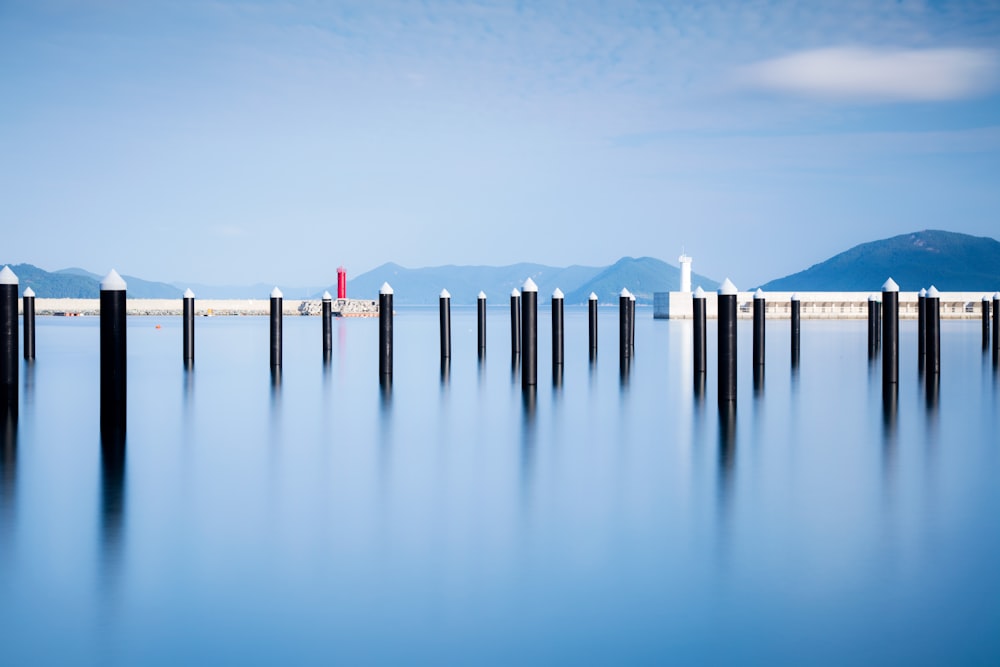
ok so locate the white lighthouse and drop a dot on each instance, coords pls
(685, 262)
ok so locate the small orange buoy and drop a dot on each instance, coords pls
(157, 326)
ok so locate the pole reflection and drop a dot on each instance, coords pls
(112, 508)
(8, 476)
(529, 435)
(890, 406)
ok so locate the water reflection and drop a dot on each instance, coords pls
(29, 382)
(758, 381)
(445, 372)
(529, 435)
(557, 376)
(112, 507)
(515, 364)
(699, 387)
(890, 406)
(8, 475)
(726, 471)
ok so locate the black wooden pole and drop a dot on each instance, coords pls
(624, 309)
(631, 325)
(872, 326)
(276, 300)
(921, 329)
(187, 325)
(727, 342)
(9, 369)
(592, 324)
(796, 329)
(385, 334)
(558, 300)
(890, 333)
(529, 334)
(113, 369)
(878, 323)
(28, 303)
(515, 322)
(327, 316)
(986, 322)
(932, 331)
(996, 327)
(698, 303)
(759, 305)
(444, 313)
(481, 323)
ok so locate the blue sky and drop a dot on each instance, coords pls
(241, 142)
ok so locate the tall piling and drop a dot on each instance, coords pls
(114, 380)
(759, 305)
(890, 334)
(796, 329)
(872, 326)
(996, 328)
(558, 301)
(444, 316)
(276, 300)
(921, 328)
(9, 369)
(698, 311)
(385, 334)
(529, 334)
(515, 322)
(932, 331)
(481, 324)
(631, 325)
(624, 332)
(187, 327)
(878, 322)
(592, 325)
(327, 316)
(28, 303)
(986, 322)
(727, 342)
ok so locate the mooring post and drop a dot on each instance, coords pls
(529, 334)
(187, 325)
(921, 328)
(481, 323)
(515, 322)
(796, 329)
(996, 328)
(624, 309)
(932, 330)
(9, 370)
(986, 322)
(700, 335)
(878, 322)
(872, 326)
(631, 325)
(28, 302)
(592, 324)
(385, 334)
(444, 313)
(558, 300)
(890, 333)
(276, 299)
(113, 370)
(759, 305)
(327, 315)
(727, 342)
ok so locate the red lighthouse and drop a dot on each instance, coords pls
(341, 283)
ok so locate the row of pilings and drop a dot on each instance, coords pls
(883, 337)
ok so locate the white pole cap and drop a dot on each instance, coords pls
(276, 293)
(327, 296)
(795, 296)
(529, 286)
(113, 282)
(28, 292)
(625, 293)
(996, 296)
(699, 293)
(188, 294)
(871, 297)
(7, 276)
(514, 292)
(759, 294)
(445, 294)
(593, 297)
(933, 293)
(923, 292)
(890, 286)
(482, 295)
(631, 297)
(727, 288)
(386, 289)
(557, 294)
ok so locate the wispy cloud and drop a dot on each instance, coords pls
(878, 75)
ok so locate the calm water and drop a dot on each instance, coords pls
(451, 521)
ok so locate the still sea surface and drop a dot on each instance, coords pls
(320, 520)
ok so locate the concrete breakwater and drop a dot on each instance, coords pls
(207, 307)
(817, 305)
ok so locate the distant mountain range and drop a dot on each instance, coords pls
(642, 276)
(950, 261)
